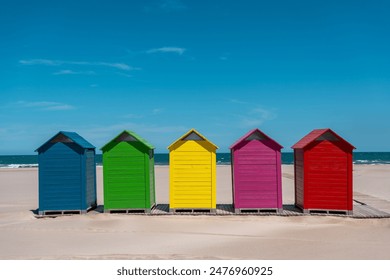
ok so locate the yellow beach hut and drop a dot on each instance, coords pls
(192, 174)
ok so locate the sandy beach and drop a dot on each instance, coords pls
(118, 236)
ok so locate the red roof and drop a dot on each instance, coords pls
(314, 135)
(243, 138)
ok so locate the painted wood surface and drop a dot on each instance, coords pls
(323, 172)
(67, 174)
(128, 173)
(256, 171)
(192, 166)
(299, 178)
(90, 177)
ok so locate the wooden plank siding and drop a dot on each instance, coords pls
(299, 178)
(128, 173)
(327, 177)
(90, 177)
(124, 181)
(192, 165)
(67, 174)
(60, 185)
(323, 172)
(256, 172)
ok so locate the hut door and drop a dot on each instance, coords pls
(125, 177)
(327, 177)
(192, 176)
(255, 175)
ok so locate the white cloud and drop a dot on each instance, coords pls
(48, 62)
(157, 111)
(59, 107)
(256, 117)
(165, 134)
(139, 127)
(172, 5)
(251, 122)
(163, 129)
(264, 113)
(120, 66)
(124, 75)
(236, 101)
(167, 6)
(71, 72)
(132, 116)
(175, 50)
(39, 62)
(45, 105)
(249, 114)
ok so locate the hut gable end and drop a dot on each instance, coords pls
(256, 135)
(127, 136)
(193, 135)
(66, 138)
(124, 137)
(61, 138)
(321, 135)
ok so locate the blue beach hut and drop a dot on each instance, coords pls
(67, 175)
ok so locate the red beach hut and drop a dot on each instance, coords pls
(256, 173)
(323, 173)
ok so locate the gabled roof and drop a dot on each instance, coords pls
(128, 136)
(254, 134)
(319, 134)
(192, 134)
(69, 137)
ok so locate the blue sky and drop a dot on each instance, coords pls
(162, 67)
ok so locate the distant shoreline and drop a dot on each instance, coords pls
(359, 158)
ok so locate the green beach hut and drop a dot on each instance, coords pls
(128, 174)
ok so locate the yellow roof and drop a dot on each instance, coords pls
(195, 135)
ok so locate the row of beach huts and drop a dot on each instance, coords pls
(67, 173)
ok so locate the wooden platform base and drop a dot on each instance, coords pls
(65, 212)
(192, 211)
(62, 212)
(130, 210)
(364, 207)
(360, 211)
(326, 212)
(257, 210)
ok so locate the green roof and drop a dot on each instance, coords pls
(128, 136)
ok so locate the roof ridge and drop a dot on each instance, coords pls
(315, 134)
(188, 133)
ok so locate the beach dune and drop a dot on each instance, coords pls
(119, 236)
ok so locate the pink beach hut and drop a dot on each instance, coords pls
(256, 173)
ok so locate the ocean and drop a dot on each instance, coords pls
(24, 161)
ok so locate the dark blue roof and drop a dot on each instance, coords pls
(73, 137)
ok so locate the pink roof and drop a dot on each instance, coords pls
(243, 138)
(314, 135)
